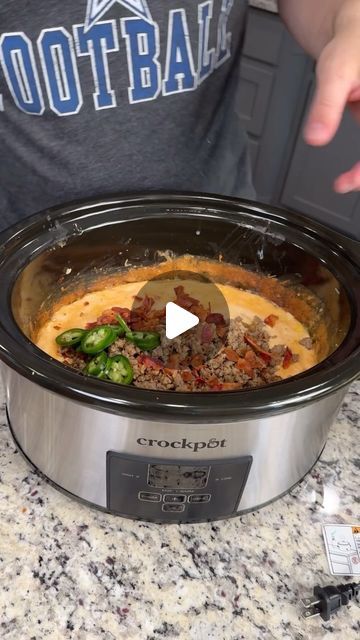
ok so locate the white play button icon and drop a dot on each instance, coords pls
(178, 320)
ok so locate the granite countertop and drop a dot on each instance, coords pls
(268, 5)
(71, 572)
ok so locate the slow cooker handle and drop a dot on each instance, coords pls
(349, 245)
(353, 247)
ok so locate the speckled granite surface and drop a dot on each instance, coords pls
(268, 5)
(71, 572)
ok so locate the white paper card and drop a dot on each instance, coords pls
(342, 542)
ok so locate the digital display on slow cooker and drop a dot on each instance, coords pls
(173, 476)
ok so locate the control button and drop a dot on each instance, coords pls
(174, 508)
(206, 497)
(171, 497)
(147, 496)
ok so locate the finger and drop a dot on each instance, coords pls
(349, 181)
(355, 94)
(335, 79)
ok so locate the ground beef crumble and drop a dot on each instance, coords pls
(211, 357)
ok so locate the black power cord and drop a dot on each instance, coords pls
(328, 600)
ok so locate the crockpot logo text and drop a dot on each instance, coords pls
(184, 443)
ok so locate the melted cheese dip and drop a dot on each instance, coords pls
(287, 330)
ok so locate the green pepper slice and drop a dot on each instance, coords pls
(97, 365)
(124, 327)
(145, 340)
(102, 376)
(70, 338)
(98, 339)
(119, 370)
(118, 330)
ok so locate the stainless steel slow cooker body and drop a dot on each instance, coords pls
(166, 456)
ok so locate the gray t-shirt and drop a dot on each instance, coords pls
(105, 96)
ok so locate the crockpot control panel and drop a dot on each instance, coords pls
(171, 491)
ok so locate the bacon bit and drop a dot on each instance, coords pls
(197, 361)
(230, 386)
(254, 361)
(221, 331)
(199, 380)
(265, 355)
(207, 333)
(216, 318)
(244, 365)
(146, 305)
(215, 384)
(173, 361)
(152, 363)
(251, 357)
(183, 299)
(231, 355)
(288, 358)
(271, 320)
(140, 325)
(187, 376)
(102, 320)
(199, 311)
(142, 319)
(109, 317)
(124, 312)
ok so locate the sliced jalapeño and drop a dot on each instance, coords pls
(98, 339)
(70, 338)
(124, 327)
(119, 370)
(145, 340)
(96, 367)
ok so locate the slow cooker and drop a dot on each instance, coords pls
(168, 456)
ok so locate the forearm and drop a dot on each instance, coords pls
(314, 22)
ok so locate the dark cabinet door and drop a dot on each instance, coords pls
(308, 187)
(270, 98)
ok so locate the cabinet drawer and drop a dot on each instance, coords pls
(309, 184)
(263, 36)
(254, 95)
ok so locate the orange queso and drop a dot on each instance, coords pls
(241, 303)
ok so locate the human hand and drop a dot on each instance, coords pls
(338, 87)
